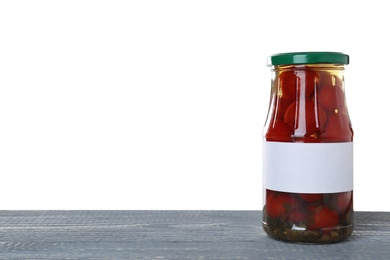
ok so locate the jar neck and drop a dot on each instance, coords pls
(316, 67)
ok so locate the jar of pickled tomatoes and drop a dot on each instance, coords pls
(308, 150)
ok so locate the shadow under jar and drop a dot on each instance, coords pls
(308, 150)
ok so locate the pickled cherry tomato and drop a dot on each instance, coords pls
(315, 117)
(290, 115)
(293, 82)
(337, 128)
(278, 204)
(311, 197)
(310, 79)
(281, 104)
(332, 98)
(328, 79)
(288, 84)
(279, 131)
(312, 117)
(324, 218)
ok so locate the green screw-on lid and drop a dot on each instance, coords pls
(292, 58)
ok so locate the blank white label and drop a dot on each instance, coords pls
(308, 167)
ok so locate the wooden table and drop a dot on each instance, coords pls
(173, 235)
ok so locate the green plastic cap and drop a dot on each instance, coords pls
(292, 58)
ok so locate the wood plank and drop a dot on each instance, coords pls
(173, 235)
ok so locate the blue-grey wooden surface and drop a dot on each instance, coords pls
(173, 235)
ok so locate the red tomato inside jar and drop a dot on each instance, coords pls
(308, 150)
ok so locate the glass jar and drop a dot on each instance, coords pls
(308, 150)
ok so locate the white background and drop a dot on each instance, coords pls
(161, 104)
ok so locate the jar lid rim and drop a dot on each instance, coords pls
(291, 58)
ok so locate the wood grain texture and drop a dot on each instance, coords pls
(173, 235)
